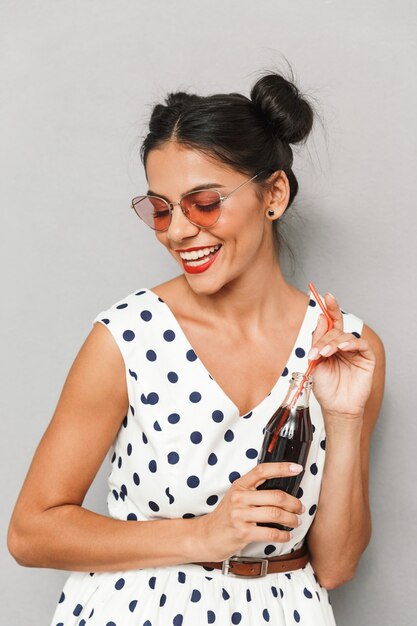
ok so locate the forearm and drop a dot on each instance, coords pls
(73, 538)
(342, 526)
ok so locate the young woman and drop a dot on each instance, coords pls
(178, 381)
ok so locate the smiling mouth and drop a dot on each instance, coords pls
(195, 258)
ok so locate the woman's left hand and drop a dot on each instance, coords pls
(343, 377)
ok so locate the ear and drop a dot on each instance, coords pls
(278, 195)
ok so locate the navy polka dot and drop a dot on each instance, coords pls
(274, 591)
(135, 376)
(172, 377)
(217, 416)
(77, 610)
(162, 600)
(129, 449)
(157, 426)
(225, 595)
(136, 478)
(195, 596)
(312, 509)
(111, 624)
(152, 582)
(120, 584)
(153, 506)
(195, 396)
(82, 622)
(212, 460)
(312, 302)
(281, 593)
(300, 352)
(147, 623)
(132, 516)
(128, 335)
(247, 416)
(269, 549)
(62, 597)
(153, 398)
(119, 462)
(132, 605)
(146, 316)
(355, 334)
(105, 320)
(121, 306)
(233, 476)
(265, 615)
(251, 453)
(323, 444)
(196, 437)
(307, 593)
(285, 371)
(191, 355)
(228, 435)
(297, 616)
(300, 492)
(169, 335)
(174, 418)
(236, 618)
(173, 458)
(211, 617)
(193, 481)
(171, 498)
(211, 500)
(181, 577)
(314, 469)
(151, 355)
(248, 596)
(144, 438)
(152, 466)
(178, 619)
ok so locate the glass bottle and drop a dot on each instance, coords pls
(288, 437)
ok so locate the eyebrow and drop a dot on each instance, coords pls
(196, 188)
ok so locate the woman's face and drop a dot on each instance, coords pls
(242, 235)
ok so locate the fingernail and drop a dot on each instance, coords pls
(300, 521)
(303, 509)
(294, 467)
(325, 350)
(313, 354)
(343, 344)
(331, 295)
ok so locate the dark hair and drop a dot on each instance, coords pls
(249, 134)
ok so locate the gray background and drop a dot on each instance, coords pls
(78, 81)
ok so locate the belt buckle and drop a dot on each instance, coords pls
(245, 559)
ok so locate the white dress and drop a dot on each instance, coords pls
(178, 450)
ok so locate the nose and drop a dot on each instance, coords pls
(180, 227)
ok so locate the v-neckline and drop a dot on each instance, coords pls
(204, 368)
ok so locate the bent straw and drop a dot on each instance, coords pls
(313, 363)
(310, 368)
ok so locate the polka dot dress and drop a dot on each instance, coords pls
(178, 450)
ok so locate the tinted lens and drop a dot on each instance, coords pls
(153, 211)
(202, 207)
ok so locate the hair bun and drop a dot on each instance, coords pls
(284, 108)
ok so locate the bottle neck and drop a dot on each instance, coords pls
(304, 397)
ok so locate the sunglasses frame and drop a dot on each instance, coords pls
(171, 205)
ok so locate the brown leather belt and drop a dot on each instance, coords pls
(252, 567)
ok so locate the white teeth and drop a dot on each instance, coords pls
(198, 254)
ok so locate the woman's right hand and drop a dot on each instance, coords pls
(233, 523)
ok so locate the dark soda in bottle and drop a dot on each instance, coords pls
(288, 437)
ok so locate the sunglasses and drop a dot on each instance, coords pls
(202, 207)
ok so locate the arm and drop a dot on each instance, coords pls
(49, 527)
(342, 526)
